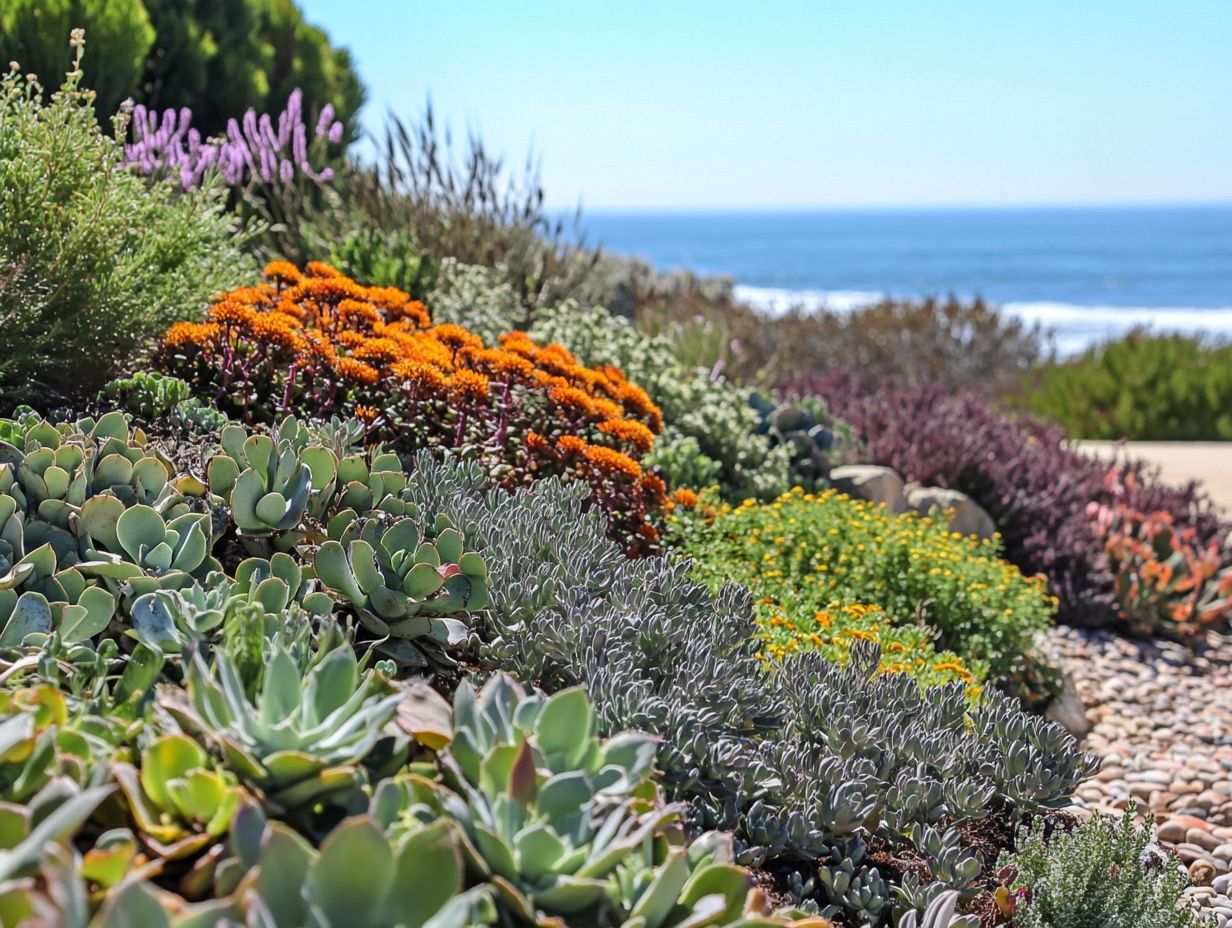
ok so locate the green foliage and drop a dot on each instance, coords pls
(216, 57)
(709, 421)
(121, 36)
(805, 554)
(479, 299)
(571, 825)
(99, 536)
(1101, 873)
(808, 764)
(392, 258)
(1143, 387)
(152, 395)
(92, 260)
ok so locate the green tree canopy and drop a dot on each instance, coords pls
(217, 57)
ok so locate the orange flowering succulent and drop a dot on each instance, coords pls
(316, 342)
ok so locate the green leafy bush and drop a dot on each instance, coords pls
(1101, 873)
(1144, 387)
(92, 260)
(805, 553)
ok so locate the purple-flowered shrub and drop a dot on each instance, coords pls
(253, 149)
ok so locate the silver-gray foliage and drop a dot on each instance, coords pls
(809, 762)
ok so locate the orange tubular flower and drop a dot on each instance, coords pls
(630, 432)
(195, 334)
(233, 313)
(356, 371)
(321, 269)
(355, 313)
(572, 398)
(421, 375)
(571, 444)
(378, 351)
(268, 329)
(455, 336)
(468, 385)
(613, 462)
(282, 272)
(685, 497)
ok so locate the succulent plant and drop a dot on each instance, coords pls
(940, 914)
(177, 798)
(139, 548)
(359, 878)
(305, 736)
(804, 426)
(148, 393)
(267, 479)
(402, 582)
(563, 824)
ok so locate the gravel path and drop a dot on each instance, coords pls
(1162, 723)
(1209, 462)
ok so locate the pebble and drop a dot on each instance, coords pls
(1161, 723)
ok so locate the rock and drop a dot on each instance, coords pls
(1204, 839)
(1172, 832)
(870, 482)
(1068, 711)
(967, 516)
(1202, 872)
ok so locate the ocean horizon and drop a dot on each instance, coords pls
(1086, 273)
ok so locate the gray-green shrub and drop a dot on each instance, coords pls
(1101, 873)
(809, 762)
(93, 260)
(710, 422)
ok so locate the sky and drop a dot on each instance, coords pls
(713, 104)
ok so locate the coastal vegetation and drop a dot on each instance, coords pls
(373, 554)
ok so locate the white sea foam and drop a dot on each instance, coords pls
(1075, 326)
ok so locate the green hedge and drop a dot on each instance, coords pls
(1144, 386)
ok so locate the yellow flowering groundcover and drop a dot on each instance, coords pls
(828, 570)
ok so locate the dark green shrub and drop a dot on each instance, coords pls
(1099, 874)
(92, 259)
(217, 57)
(1143, 386)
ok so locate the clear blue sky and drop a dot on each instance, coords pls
(804, 103)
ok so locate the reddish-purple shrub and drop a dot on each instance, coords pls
(1022, 472)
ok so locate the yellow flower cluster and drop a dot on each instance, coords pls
(831, 570)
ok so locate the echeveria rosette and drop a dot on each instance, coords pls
(305, 737)
(402, 584)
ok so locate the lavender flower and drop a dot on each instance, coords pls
(251, 148)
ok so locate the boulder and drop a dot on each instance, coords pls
(871, 482)
(967, 517)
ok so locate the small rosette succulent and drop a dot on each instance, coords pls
(306, 735)
(402, 584)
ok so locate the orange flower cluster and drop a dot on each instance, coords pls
(323, 323)
(316, 342)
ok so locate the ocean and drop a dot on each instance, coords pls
(1084, 273)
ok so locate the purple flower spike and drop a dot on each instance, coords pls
(251, 148)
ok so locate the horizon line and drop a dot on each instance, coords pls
(644, 209)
